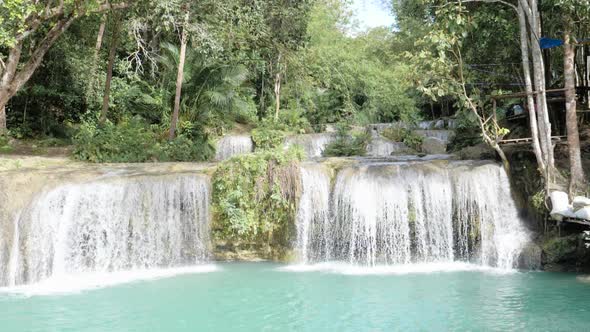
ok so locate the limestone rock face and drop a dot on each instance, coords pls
(433, 145)
(530, 257)
(476, 152)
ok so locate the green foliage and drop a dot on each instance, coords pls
(558, 249)
(181, 148)
(398, 134)
(5, 146)
(132, 140)
(266, 138)
(346, 145)
(345, 78)
(271, 133)
(255, 195)
(128, 141)
(55, 94)
(214, 92)
(413, 140)
(538, 201)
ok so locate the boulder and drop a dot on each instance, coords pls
(433, 145)
(330, 128)
(530, 257)
(476, 152)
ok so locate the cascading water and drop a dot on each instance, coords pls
(418, 212)
(233, 145)
(443, 135)
(313, 210)
(380, 147)
(117, 224)
(312, 144)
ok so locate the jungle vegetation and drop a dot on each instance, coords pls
(144, 80)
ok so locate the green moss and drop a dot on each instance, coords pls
(558, 249)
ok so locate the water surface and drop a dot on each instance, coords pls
(326, 297)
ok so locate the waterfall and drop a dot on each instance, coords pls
(117, 224)
(380, 147)
(312, 144)
(443, 135)
(425, 125)
(416, 212)
(313, 210)
(233, 145)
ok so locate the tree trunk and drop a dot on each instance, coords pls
(3, 129)
(277, 95)
(262, 95)
(15, 75)
(531, 12)
(107, 86)
(6, 83)
(503, 157)
(179, 79)
(526, 66)
(278, 88)
(540, 86)
(573, 138)
(101, 28)
(92, 86)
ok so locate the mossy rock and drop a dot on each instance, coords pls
(560, 249)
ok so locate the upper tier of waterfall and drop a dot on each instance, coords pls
(120, 222)
(313, 144)
(403, 212)
(443, 135)
(233, 145)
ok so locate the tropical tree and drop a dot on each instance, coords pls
(571, 14)
(210, 89)
(37, 25)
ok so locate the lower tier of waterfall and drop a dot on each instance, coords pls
(360, 211)
(416, 212)
(115, 224)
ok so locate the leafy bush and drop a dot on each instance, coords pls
(255, 195)
(267, 139)
(404, 135)
(5, 146)
(127, 141)
(293, 120)
(413, 141)
(132, 140)
(347, 145)
(395, 134)
(184, 149)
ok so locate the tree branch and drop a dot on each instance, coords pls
(35, 20)
(37, 56)
(492, 1)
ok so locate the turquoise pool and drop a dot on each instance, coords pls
(329, 297)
